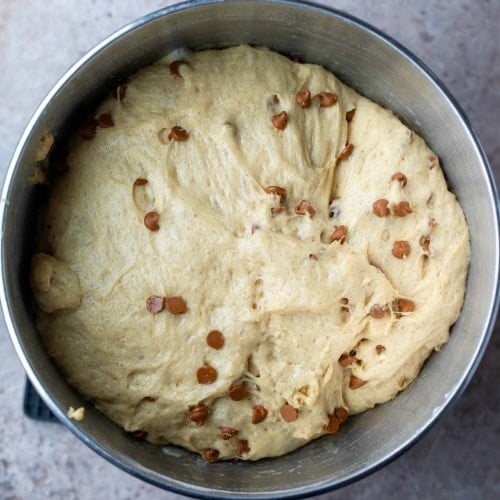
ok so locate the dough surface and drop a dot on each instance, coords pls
(289, 302)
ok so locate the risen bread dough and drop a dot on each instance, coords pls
(289, 302)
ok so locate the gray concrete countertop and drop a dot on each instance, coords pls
(460, 40)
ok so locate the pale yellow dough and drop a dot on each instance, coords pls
(239, 269)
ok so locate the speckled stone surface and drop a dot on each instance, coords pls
(460, 40)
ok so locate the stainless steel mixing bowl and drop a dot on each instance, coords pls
(379, 68)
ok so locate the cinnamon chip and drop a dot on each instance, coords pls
(425, 242)
(237, 392)
(401, 209)
(211, 455)
(380, 208)
(303, 98)
(355, 382)
(339, 234)
(379, 311)
(259, 414)
(151, 220)
(155, 304)
(140, 182)
(280, 120)
(350, 115)
(341, 414)
(105, 121)
(379, 349)
(401, 249)
(276, 190)
(175, 305)
(215, 339)
(346, 152)
(327, 99)
(338, 417)
(178, 134)
(333, 424)
(198, 414)
(304, 207)
(242, 448)
(399, 177)
(405, 306)
(289, 413)
(206, 374)
(346, 360)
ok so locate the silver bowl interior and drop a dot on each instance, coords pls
(378, 68)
